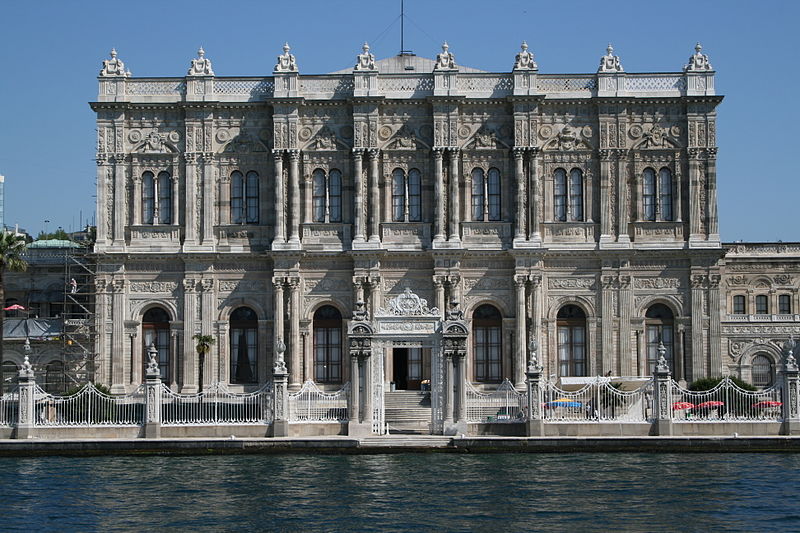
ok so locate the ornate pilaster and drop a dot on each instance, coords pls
(191, 288)
(438, 197)
(521, 336)
(712, 227)
(609, 285)
(622, 198)
(190, 199)
(625, 309)
(296, 351)
(294, 180)
(606, 230)
(455, 208)
(533, 211)
(374, 189)
(278, 313)
(695, 211)
(118, 337)
(454, 344)
(280, 200)
(120, 212)
(698, 370)
(358, 184)
(715, 327)
(521, 215)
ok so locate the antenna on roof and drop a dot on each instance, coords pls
(403, 50)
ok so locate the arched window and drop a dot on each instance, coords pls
(785, 304)
(665, 194)
(10, 370)
(576, 195)
(761, 370)
(244, 198)
(478, 197)
(649, 194)
(485, 195)
(244, 345)
(659, 330)
(560, 195)
(493, 194)
(762, 304)
(327, 345)
(571, 331)
(54, 377)
(406, 195)
(487, 343)
(155, 331)
(148, 197)
(739, 305)
(326, 195)
(156, 198)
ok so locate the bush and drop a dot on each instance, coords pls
(705, 384)
(77, 388)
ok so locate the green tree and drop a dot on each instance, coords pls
(204, 343)
(12, 248)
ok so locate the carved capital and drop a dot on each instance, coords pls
(624, 282)
(373, 153)
(278, 282)
(294, 155)
(118, 286)
(519, 152)
(207, 285)
(698, 281)
(190, 285)
(535, 279)
(437, 153)
(276, 153)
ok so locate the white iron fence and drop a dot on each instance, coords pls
(311, 404)
(8, 408)
(89, 407)
(505, 404)
(726, 402)
(599, 401)
(216, 405)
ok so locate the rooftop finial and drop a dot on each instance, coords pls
(286, 61)
(524, 59)
(200, 66)
(114, 66)
(610, 62)
(365, 60)
(446, 60)
(698, 61)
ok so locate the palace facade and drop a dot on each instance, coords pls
(578, 210)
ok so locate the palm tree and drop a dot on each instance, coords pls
(204, 343)
(11, 249)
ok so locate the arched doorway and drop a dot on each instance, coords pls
(327, 345)
(155, 331)
(487, 344)
(571, 336)
(762, 371)
(659, 326)
(244, 345)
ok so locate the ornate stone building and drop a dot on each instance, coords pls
(579, 210)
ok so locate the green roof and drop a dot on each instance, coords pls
(54, 243)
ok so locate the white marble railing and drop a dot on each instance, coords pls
(578, 84)
(252, 88)
(406, 85)
(486, 85)
(156, 87)
(763, 318)
(326, 87)
(655, 83)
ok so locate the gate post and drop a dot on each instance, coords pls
(662, 397)
(535, 423)
(790, 392)
(152, 397)
(280, 392)
(359, 423)
(454, 339)
(26, 415)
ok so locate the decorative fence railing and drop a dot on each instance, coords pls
(726, 402)
(8, 408)
(311, 404)
(505, 404)
(89, 407)
(598, 401)
(216, 405)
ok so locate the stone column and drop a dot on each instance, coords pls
(711, 196)
(225, 200)
(375, 204)
(175, 180)
(366, 368)
(461, 387)
(534, 212)
(698, 369)
(103, 229)
(448, 391)
(208, 199)
(521, 335)
(358, 185)
(609, 283)
(354, 411)
(455, 214)
(280, 391)
(662, 399)
(137, 199)
(519, 171)
(152, 398)
(438, 197)
(622, 198)
(438, 285)
(190, 290)
(296, 365)
(190, 192)
(694, 195)
(294, 179)
(118, 337)
(280, 224)
(714, 327)
(120, 190)
(535, 423)
(26, 418)
(625, 365)
(605, 197)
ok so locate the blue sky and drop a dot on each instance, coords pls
(50, 53)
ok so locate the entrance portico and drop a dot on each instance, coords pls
(406, 348)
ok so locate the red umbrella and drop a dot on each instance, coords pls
(680, 406)
(767, 403)
(713, 403)
(15, 307)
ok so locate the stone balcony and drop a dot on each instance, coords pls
(326, 236)
(763, 318)
(406, 235)
(486, 235)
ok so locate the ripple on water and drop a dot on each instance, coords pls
(407, 492)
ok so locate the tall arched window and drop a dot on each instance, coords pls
(659, 324)
(657, 195)
(244, 198)
(571, 331)
(485, 195)
(244, 345)
(576, 195)
(406, 195)
(478, 197)
(493, 194)
(761, 371)
(156, 198)
(568, 195)
(665, 194)
(560, 195)
(649, 194)
(326, 195)
(327, 345)
(487, 344)
(155, 331)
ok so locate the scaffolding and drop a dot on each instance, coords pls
(79, 329)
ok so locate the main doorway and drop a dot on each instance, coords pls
(407, 368)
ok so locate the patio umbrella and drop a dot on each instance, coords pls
(15, 307)
(709, 404)
(767, 403)
(680, 406)
(563, 402)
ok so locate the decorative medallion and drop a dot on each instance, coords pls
(305, 133)
(346, 132)
(135, 136)
(545, 132)
(223, 135)
(385, 132)
(174, 136)
(264, 135)
(586, 131)
(408, 304)
(464, 132)
(636, 131)
(675, 130)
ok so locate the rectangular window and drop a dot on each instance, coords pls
(560, 196)
(398, 197)
(252, 198)
(477, 195)
(415, 364)
(414, 196)
(785, 304)
(762, 304)
(738, 305)
(488, 357)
